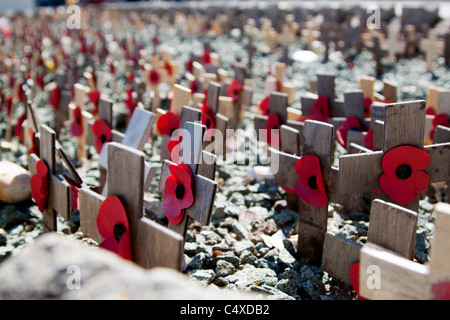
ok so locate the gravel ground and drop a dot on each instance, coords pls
(248, 244)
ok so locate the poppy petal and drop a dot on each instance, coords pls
(404, 191)
(264, 106)
(354, 278)
(102, 132)
(167, 123)
(368, 139)
(309, 186)
(39, 185)
(177, 219)
(351, 123)
(320, 111)
(110, 214)
(416, 158)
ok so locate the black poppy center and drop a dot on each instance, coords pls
(103, 138)
(208, 123)
(312, 182)
(119, 230)
(403, 172)
(179, 192)
(172, 130)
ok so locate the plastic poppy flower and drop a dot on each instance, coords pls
(167, 123)
(154, 77)
(39, 185)
(76, 127)
(367, 107)
(112, 224)
(35, 145)
(178, 193)
(8, 104)
(441, 291)
(94, 97)
(368, 139)
(404, 179)
(273, 125)
(188, 65)
(102, 133)
(351, 123)
(168, 68)
(130, 101)
(310, 186)
(54, 98)
(320, 111)
(206, 57)
(441, 119)
(174, 147)
(208, 120)
(264, 106)
(234, 90)
(194, 86)
(18, 127)
(354, 278)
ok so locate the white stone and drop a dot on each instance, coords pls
(14, 183)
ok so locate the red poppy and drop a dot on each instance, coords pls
(367, 107)
(130, 100)
(351, 123)
(234, 90)
(208, 120)
(273, 124)
(8, 104)
(264, 106)
(168, 68)
(39, 185)
(354, 278)
(18, 127)
(154, 77)
(94, 97)
(441, 291)
(35, 145)
(76, 128)
(320, 111)
(54, 98)
(167, 123)
(188, 65)
(278, 86)
(206, 57)
(112, 224)
(174, 147)
(74, 186)
(368, 139)
(102, 133)
(194, 86)
(430, 111)
(130, 77)
(310, 186)
(441, 119)
(404, 179)
(178, 193)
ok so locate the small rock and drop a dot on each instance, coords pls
(198, 261)
(224, 268)
(273, 293)
(228, 257)
(247, 257)
(250, 276)
(11, 217)
(3, 238)
(14, 183)
(287, 286)
(259, 173)
(242, 245)
(202, 276)
(239, 230)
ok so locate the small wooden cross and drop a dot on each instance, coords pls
(280, 75)
(153, 245)
(202, 165)
(399, 278)
(58, 200)
(378, 53)
(310, 34)
(325, 87)
(411, 40)
(403, 125)
(251, 50)
(65, 97)
(318, 140)
(278, 105)
(392, 43)
(432, 47)
(86, 117)
(390, 226)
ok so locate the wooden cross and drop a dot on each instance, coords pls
(447, 48)
(221, 121)
(403, 125)
(431, 46)
(58, 200)
(153, 245)
(251, 50)
(325, 87)
(392, 43)
(278, 106)
(399, 278)
(65, 97)
(411, 40)
(202, 165)
(86, 117)
(280, 75)
(310, 34)
(327, 35)
(390, 226)
(318, 140)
